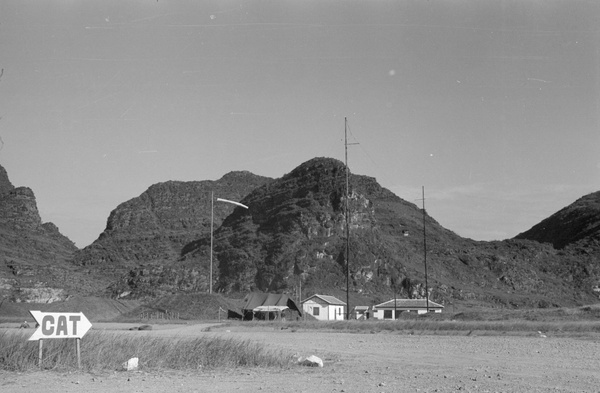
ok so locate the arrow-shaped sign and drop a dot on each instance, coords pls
(59, 325)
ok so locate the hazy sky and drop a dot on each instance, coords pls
(492, 106)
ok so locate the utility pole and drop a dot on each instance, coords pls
(395, 303)
(425, 252)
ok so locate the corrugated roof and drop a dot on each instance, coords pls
(332, 300)
(409, 303)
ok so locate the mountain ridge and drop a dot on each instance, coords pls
(292, 240)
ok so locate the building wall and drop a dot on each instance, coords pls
(379, 313)
(309, 308)
(327, 312)
(336, 313)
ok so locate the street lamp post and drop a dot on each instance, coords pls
(212, 215)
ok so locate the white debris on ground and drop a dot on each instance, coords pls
(311, 361)
(131, 364)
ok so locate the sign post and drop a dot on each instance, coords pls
(60, 325)
(40, 345)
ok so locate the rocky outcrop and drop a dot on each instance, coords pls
(23, 236)
(18, 209)
(33, 255)
(5, 184)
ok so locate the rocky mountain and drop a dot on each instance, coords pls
(145, 236)
(292, 239)
(295, 229)
(34, 256)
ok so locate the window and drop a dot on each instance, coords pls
(387, 314)
(316, 311)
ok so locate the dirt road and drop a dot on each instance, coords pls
(380, 362)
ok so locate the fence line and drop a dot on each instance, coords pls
(167, 315)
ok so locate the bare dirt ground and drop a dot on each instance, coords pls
(379, 362)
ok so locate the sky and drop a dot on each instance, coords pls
(492, 106)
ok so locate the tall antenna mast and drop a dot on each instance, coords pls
(425, 252)
(347, 220)
(212, 219)
(347, 224)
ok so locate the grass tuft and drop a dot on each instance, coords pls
(107, 351)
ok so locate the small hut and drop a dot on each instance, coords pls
(269, 306)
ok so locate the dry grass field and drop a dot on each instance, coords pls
(382, 361)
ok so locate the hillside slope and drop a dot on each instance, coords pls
(576, 222)
(574, 232)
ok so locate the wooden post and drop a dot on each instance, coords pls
(78, 349)
(40, 345)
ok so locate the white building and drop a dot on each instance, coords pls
(324, 308)
(393, 308)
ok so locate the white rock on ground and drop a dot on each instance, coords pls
(311, 361)
(131, 364)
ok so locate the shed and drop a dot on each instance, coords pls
(267, 306)
(324, 307)
(360, 312)
(393, 308)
